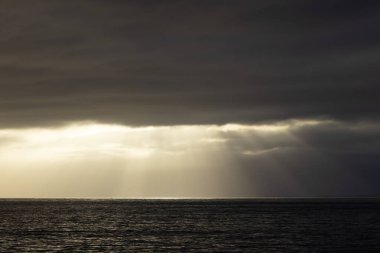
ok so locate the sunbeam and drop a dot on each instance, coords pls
(101, 160)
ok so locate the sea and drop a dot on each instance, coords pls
(218, 225)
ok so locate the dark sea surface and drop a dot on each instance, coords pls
(261, 225)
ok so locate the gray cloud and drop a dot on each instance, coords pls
(327, 159)
(187, 62)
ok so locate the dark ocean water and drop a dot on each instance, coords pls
(190, 225)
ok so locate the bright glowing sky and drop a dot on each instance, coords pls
(102, 160)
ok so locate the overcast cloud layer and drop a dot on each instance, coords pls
(188, 62)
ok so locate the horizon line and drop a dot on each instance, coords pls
(185, 198)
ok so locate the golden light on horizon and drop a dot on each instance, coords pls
(107, 160)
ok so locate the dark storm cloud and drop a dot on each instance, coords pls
(322, 160)
(187, 62)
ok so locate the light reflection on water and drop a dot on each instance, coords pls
(189, 225)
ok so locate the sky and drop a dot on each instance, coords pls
(189, 99)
